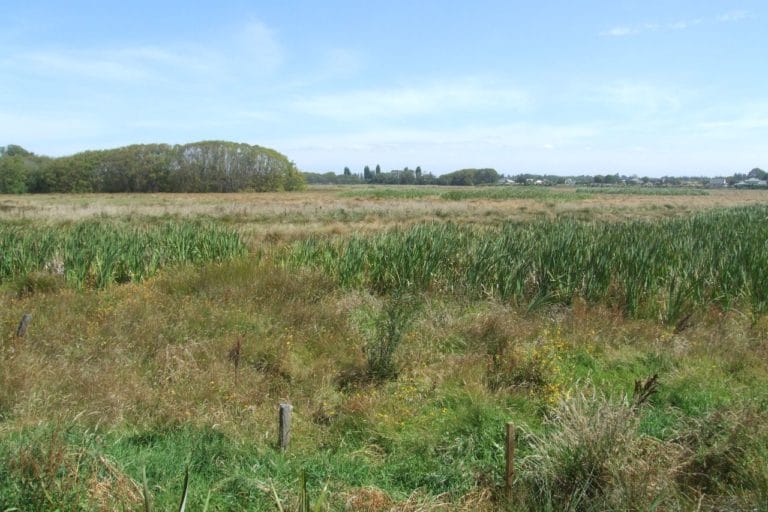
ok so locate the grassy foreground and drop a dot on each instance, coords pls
(400, 393)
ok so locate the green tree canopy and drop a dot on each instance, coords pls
(12, 175)
(209, 166)
(14, 150)
(470, 177)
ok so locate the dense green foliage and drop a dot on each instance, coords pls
(470, 177)
(13, 175)
(211, 166)
(658, 269)
(99, 254)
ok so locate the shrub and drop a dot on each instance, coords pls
(593, 458)
(38, 282)
(388, 331)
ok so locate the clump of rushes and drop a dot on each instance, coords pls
(663, 270)
(389, 328)
(99, 253)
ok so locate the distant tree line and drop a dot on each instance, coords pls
(490, 176)
(210, 166)
(405, 176)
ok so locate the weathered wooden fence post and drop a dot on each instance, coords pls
(22, 329)
(285, 425)
(509, 473)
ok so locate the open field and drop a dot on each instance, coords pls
(327, 209)
(406, 329)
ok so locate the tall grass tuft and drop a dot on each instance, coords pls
(593, 458)
(593, 455)
(390, 328)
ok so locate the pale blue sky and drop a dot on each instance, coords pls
(648, 87)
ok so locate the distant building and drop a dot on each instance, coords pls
(752, 183)
(717, 183)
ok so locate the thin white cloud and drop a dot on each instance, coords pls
(500, 137)
(506, 147)
(736, 126)
(642, 97)
(640, 28)
(125, 65)
(684, 24)
(410, 101)
(260, 45)
(34, 129)
(620, 31)
(100, 66)
(733, 16)
(735, 120)
(336, 62)
(250, 51)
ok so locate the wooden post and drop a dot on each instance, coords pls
(22, 329)
(285, 425)
(509, 474)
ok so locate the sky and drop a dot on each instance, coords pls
(647, 87)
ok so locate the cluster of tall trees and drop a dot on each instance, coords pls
(210, 166)
(406, 176)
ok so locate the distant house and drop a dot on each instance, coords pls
(752, 183)
(717, 183)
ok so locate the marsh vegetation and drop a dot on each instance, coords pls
(405, 329)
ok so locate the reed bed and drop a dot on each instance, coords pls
(515, 192)
(98, 253)
(470, 193)
(400, 192)
(644, 191)
(663, 269)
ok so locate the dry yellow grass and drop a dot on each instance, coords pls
(285, 216)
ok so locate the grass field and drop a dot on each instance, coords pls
(406, 329)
